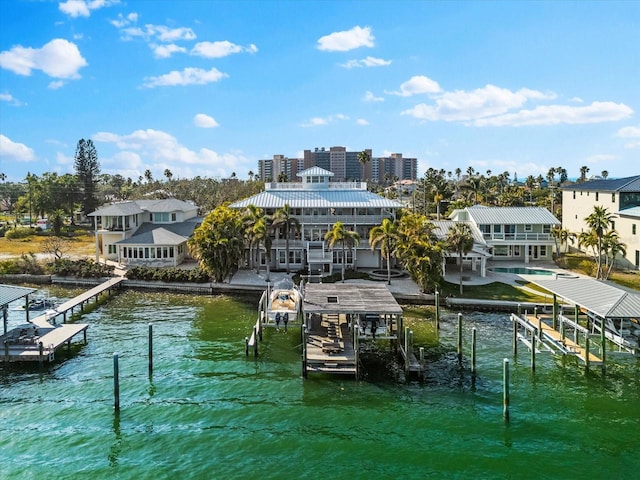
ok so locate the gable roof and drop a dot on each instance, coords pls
(166, 234)
(315, 171)
(134, 207)
(482, 215)
(627, 184)
(443, 227)
(300, 198)
(117, 209)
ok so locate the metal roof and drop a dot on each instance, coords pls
(350, 298)
(117, 209)
(627, 184)
(443, 227)
(10, 293)
(134, 207)
(168, 234)
(316, 172)
(482, 215)
(630, 212)
(598, 297)
(317, 199)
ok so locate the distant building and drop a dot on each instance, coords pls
(344, 164)
(145, 232)
(620, 197)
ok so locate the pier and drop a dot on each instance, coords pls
(38, 339)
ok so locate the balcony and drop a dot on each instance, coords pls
(518, 237)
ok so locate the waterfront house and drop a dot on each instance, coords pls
(145, 232)
(513, 233)
(478, 255)
(620, 196)
(318, 203)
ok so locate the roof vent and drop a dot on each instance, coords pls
(332, 299)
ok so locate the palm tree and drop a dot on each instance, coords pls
(460, 240)
(613, 247)
(599, 222)
(251, 217)
(340, 235)
(262, 234)
(386, 236)
(283, 217)
(583, 174)
(363, 157)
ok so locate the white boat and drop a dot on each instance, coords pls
(283, 303)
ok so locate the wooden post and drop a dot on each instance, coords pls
(5, 317)
(535, 311)
(473, 351)
(586, 352)
(406, 349)
(116, 383)
(246, 346)
(505, 390)
(576, 317)
(459, 338)
(6, 351)
(84, 334)
(533, 350)
(515, 333)
(41, 349)
(255, 342)
(150, 349)
(555, 312)
(603, 341)
(519, 307)
(437, 310)
(421, 358)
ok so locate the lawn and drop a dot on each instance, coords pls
(494, 291)
(79, 245)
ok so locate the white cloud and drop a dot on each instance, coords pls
(59, 59)
(367, 62)
(157, 150)
(166, 34)
(10, 99)
(204, 121)
(165, 51)
(220, 49)
(82, 8)
(370, 97)
(14, 151)
(362, 121)
(188, 76)
(630, 132)
(461, 105)
(319, 121)
(602, 157)
(416, 85)
(347, 40)
(123, 21)
(56, 84)
(597, 112)
(576, 100)
(150, 32)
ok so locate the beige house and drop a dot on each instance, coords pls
(620, 196)
(145, 232)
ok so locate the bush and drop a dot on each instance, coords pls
(178, 275)
(81, 268)
(9, 267)
(18, 233)
(588, 267)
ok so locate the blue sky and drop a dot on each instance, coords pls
(209, 87)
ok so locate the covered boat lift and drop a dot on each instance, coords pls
(611, 312)
(337, 317)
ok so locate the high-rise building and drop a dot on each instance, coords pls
(273, 169)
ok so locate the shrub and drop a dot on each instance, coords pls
(10, 267)
(178, 275)
(85, 268)
(18, 233)
(587, 267)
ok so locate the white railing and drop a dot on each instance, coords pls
(301, 186)
(519, 237)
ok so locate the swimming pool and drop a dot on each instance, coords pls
(522, 271)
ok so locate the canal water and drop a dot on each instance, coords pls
(209, 412)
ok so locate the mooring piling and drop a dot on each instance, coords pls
(116, 383)
(460, 338)
(150, 349)
(473, 351)
(505, 389)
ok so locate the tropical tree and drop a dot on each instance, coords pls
(612, 247)
(262, 234)
(599, 222)
(87, 170)
(251, 216)
(57, 221)
(218, 243)
(283, 218)
(386, 236)
(460, 240)
(364, 157)
(341, 236)
(583, 174)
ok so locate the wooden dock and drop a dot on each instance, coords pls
(39, 338)
(541, 328)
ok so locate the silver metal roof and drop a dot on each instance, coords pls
(482, 215)
(317, 199)
(117, 209)
(10, 293)
(598, 297)
(443, 227)
(350, 298)
(630, 212)
(134, 207)
(316, 172)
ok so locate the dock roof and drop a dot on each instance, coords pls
(600, 298)
(355, 298)
(11, 293)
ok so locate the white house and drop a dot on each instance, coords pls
(145, 232)
(620, 196)
(513, 233)
(318, 204)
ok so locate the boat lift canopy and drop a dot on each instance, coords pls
(353, 298)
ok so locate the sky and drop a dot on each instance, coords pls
(208, 88)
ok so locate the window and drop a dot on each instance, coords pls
(528, 227)
(546, 229)
(613, 225)
(633, 229)
(574, 194)
(113, 248)
(543, 250)
(613, 198)
(497, 229)
(173, 217)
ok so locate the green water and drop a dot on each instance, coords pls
(209, 412)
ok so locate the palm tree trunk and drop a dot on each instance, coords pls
(344, 260)
(460, 273)
(388, 269)
(286, 243)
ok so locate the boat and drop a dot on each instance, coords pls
(39, 304)
(283, 303)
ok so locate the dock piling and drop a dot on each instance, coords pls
(515, 333)
(473, 351)
(534, 338)
(246, 346)
(505, 390)
(116, 383)
(460, 338)
(41, 350)
(437, 310)
(150, 349)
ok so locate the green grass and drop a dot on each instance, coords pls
(493, 291)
